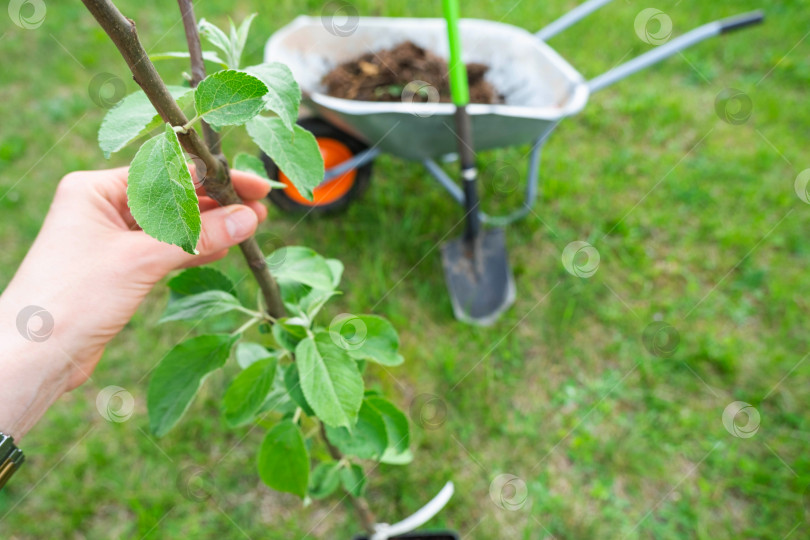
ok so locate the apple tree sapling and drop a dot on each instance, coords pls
(307, 386)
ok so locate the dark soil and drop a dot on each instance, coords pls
(385, 75)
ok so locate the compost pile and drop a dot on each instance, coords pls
(385, 75)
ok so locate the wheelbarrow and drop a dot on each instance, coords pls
(539, 88)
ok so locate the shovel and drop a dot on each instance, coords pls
(476, 266)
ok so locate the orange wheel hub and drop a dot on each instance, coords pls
(334, 153)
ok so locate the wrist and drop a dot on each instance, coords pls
(33, 375)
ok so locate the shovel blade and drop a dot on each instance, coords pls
(479, 277)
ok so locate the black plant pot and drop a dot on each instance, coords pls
(422, 535)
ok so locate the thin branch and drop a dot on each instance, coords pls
(193, 40)
(360, 504)
(212, 138)
(218, 185)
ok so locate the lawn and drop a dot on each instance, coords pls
(697, 224)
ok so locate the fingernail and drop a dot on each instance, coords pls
(240, 222)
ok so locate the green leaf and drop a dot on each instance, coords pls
(248, 392)
(161, 193)
(293, 385)
(218, 39)
(283, 460)
(315, 300)
(288, 334)
(252, 164)
(200, 306)
(239, 38)
(392, 457)
(132, 117)
(279, 398)
(353, 479)
(179, 375)
(396, 423)
(337, 271)
(229, 97)
(184, 101)
(303, 300)
(330, 380)
(367, 440)
(292, 293)
(296, 154)
(301, 265)
(283, 94)
(208, 56)
(312, 303)
(249, 353)
(325, 479)
(200, 279)
(368, 337)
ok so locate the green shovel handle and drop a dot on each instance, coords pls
(459, 89)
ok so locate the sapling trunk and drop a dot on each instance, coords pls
(218, 186)
(360, 504)
(122, 32)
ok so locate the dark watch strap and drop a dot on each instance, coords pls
(11, 458)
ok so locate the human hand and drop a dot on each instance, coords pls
(91, 266)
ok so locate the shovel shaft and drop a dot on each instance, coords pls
(469, 174)
(458, 73)
(461, 96)
(475, 266)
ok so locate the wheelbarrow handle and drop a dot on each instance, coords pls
(674, 46)
(739, 22)
(573, 16)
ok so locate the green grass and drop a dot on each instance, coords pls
(696, 222)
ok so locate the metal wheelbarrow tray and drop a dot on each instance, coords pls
(539, 87)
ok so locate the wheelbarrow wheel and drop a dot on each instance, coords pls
(333, 195)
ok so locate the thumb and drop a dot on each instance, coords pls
(222, 228)
(226, 226)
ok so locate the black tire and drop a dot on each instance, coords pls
(321, 128)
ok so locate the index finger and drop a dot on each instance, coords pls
(249, 186)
